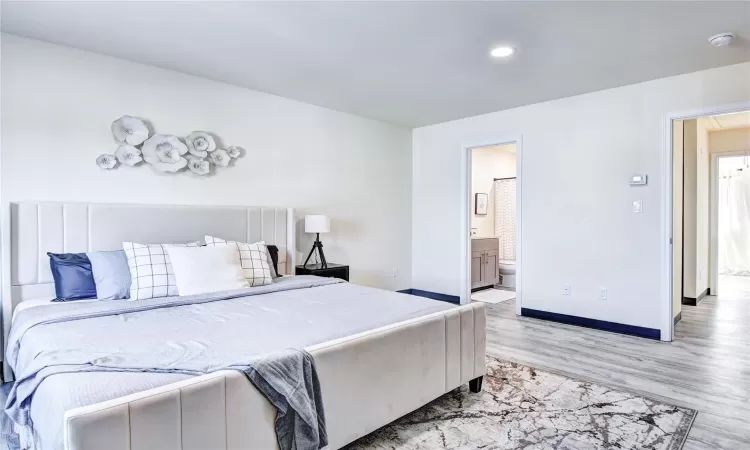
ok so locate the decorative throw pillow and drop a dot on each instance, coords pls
(73, 277)
(253, 258)
(151, 270)
(273, 255)
(111, 274)
(200, 270)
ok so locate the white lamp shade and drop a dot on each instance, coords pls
(317, 224)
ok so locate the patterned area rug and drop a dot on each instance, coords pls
(524, 408)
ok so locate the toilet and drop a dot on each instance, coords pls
(507, 274)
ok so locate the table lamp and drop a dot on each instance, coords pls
(317, 224)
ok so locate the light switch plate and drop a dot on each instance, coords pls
(638, 206)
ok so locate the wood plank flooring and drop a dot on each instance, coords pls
(706, 368)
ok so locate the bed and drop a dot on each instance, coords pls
(387, 351)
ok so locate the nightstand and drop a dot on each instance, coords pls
(332, 271)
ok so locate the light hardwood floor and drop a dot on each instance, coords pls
(706, 368)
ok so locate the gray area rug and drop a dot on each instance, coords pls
(525, 408)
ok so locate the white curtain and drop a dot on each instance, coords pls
(505, 217)
(734, 222)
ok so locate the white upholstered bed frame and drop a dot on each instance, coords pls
(367, 380)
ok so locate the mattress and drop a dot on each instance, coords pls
(262, 323)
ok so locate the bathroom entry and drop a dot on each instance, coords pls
(732, 219)
(493, 223)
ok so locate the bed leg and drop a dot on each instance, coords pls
(475, 385)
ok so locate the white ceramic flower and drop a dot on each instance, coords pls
(164, 153)
(234, 151)
(200, 143)
(220, 158)
(129, 130)
(198, 166)
(106, 161)
(128, 155)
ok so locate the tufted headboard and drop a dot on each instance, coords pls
(30, 230)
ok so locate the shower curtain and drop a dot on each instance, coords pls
(734, 223)
(505, 217)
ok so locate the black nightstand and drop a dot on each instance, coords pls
(332, 271)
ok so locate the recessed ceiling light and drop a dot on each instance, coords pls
(502, 52)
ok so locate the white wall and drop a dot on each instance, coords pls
(733, 140)
(690, 203)
(58, 104)
(488, 163)
(702, 210)
(578, 228)
(696, 216)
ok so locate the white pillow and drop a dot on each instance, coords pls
(253, 259)
(199, 270)
(151, 271)
(219, 241)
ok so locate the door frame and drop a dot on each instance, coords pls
(667, 314)
(713, 205)
(466, 213)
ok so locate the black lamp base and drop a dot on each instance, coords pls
(317, 245)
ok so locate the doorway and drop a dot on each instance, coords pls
(709, 227)
(731, 217)
(491, 231)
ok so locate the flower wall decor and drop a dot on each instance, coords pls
(129, 130)
(128, 155)
(165, 152)
(234, 151)
(200, 143)
(198, 166)
(220, 158)
(106, 161)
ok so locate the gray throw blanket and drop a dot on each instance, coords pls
(8, 437)
(289, 381)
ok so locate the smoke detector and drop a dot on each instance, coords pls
(721, 39)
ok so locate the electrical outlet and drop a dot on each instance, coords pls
(566, 289)
(395, 272)
(602, 293)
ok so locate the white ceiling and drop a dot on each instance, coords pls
(412, 63)
(729, 121)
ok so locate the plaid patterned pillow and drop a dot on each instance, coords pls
(253, 258)
(151, 272)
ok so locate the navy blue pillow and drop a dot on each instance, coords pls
(74, 279)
